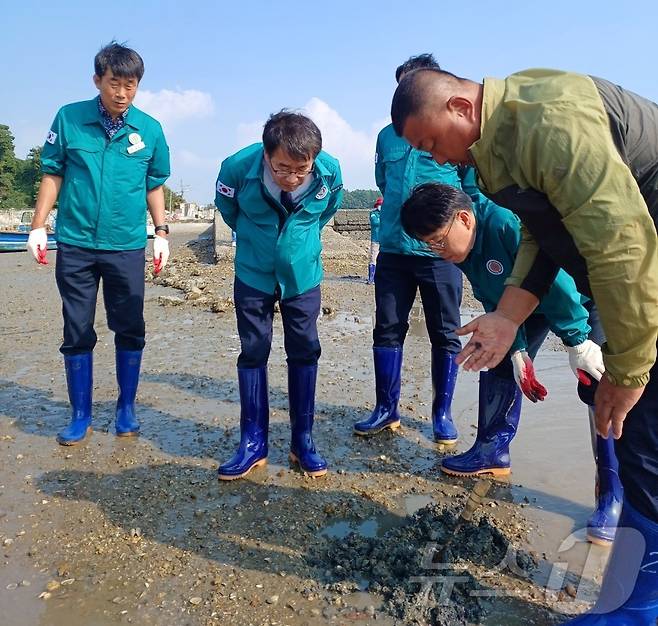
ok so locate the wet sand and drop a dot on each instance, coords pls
(140, 531)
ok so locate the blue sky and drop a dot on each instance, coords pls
(215, 70)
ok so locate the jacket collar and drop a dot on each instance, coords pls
(482, 150)
(92, 115)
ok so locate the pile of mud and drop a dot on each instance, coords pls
(422, 568)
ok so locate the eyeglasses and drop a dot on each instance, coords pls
(439, 245)
(284, 173)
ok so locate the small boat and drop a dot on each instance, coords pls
(16, 241)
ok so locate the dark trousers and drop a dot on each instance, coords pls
(397, 279)
(78, 274)
(254, 310)
(637, 451)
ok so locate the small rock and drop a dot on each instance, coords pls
(44, 595)
(52, 585)
(7, 542)
(272, 599)
(63, 569)
(196, 600)
(11, 586)
(571, 590)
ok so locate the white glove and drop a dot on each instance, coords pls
(160, 253)
(584, 359)
(524, 375)
(37, 244)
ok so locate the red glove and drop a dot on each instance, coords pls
(524, 375)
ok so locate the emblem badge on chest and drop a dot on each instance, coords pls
(494, 267)
(324, 190)
(136, 143)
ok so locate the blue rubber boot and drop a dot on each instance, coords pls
(388, 366)
(629, 591)
(371, 273)
(498, 419)
(79, 380)
(444, 378)
(602, 524)
(254, 424)
(301, 396)
(128, 363)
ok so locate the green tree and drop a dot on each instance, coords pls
(8, 166)
(359, 198)
(28, 177)
(172, 200)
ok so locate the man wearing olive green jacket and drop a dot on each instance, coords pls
(106, 161)
(277, 196)
(576, 158)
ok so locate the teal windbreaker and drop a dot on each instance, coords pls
(398, 169)
(490, 262)
(274, 247)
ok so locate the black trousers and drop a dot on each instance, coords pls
(254, 310)
(398, 278)
(78, 274)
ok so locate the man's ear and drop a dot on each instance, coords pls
(466, 218)
(461, 106)
(97, 81)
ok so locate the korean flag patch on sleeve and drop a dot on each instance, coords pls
(225, 190)
(51, 137)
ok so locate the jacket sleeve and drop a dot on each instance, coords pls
(159, 168)
(226, 195)
(53, 155)
(380, 177)
(335, 198)
(533, 270)
(564, 310)
(574, 161)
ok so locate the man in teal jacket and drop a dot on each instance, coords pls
(405, 266)
(483, 239)
(106, 161)
(277, 196)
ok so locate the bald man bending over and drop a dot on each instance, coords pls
(576, 158)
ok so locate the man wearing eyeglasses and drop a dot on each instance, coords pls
(483, 239)
(277, 196)
(404, 267)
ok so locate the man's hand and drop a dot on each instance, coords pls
(524, 375)
(611, 405)
(584, 359)
(160, 253)
(492, 338)
(37, 244)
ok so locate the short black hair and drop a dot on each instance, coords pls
(430, 207)
(418, 62)
(409, 97)
(293, 132)
(123, 61)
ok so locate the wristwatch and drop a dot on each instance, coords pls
(164, 228)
